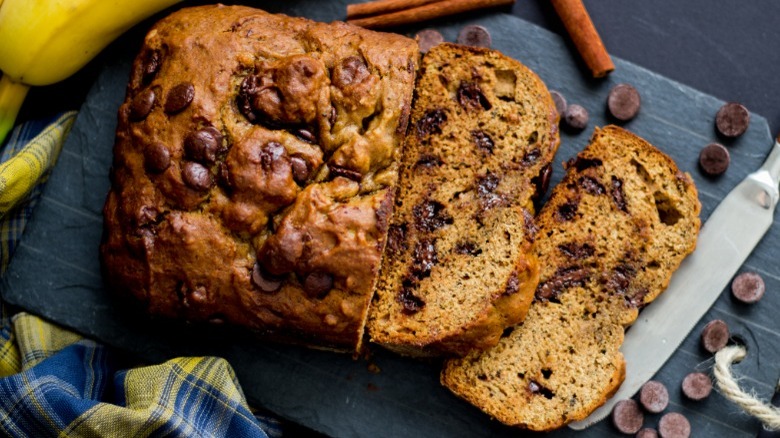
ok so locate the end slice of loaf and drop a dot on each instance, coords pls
(457, 268)
(610, 237)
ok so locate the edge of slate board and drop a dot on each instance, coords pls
(55, 272)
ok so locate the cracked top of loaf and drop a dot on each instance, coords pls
(254, 171)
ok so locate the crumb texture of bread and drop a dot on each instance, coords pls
(458, 267)
(255, 166)
(613, 232)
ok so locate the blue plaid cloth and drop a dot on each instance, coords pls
(55, 383)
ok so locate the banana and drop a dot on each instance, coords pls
(45, 41)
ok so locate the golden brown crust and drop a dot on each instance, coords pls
(613, 232)
(458, 268)
(255, 167)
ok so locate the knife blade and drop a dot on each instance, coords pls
(727, 238)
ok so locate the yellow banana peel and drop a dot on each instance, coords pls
(45, 41)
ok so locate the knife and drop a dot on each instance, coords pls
(725, 241)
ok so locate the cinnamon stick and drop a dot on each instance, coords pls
(425, 12)
(380, 7)
(583, 33)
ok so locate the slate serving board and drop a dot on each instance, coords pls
(55, 272)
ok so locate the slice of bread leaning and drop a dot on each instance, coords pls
(457, 268)
(610, 237)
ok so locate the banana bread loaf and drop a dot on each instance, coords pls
(255, 166)
(610, 237)
(457, 268)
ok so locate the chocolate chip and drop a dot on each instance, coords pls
(265, 281)
(654, 397)
(474, 36)
(618, 195)
(306, 135)
(428, 38)
(203, 144)
(732, 119)
(697, 386)
(345, 173)
(179, 97)
(674, 425)
(471, 97)
(483, 141)
(576, 250)
(431, 123)
(249, 87)
(196, 176)
(564, 278)
(715, 335)
(560, 102)
(623, 102)
(591, 185)
(512, 287)
(531, 157)
(271, 152)
(467, 248)
(647, 433)
(627, 417)
(351, 70)
(396, 239)
(714, 159)
(142, 104)
(411, 303)
(300, 168)
(318, 284)
(157, 157)
(430, 216)
(576, 117)
(424, 258)
(748, 287)
(568, 210)
(152, 61)
(541, 182)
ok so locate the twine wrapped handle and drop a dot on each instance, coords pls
(727, 384)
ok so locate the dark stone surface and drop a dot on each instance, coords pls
(55, 272)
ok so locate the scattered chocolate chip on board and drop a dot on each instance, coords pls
(427, 38)
(714, 159)
(576, 117)
(732, 119)
(647, 433)
(654, 396)
(623, 102)
(475, 36)
(560, 102)
(748, 287)
(674, 425)
(627, 417)
(715, 335)
(697, 386)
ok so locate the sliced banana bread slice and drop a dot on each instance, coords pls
(457, 268)
(610, 237)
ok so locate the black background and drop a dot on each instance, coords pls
(729, 49)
